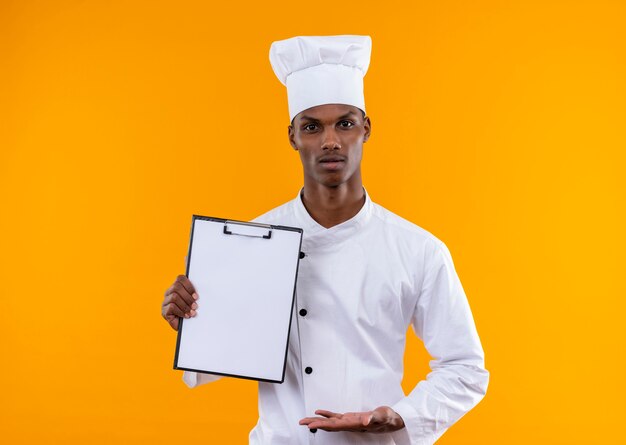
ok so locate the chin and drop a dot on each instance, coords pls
(332, 179)
(333, 182)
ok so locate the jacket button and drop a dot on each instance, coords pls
(302, 255)
(308, 370)
(313, 430)
(303, 312)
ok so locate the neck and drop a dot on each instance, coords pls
(330, 206)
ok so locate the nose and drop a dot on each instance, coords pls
(331, 140)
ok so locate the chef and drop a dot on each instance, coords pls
(365, 277)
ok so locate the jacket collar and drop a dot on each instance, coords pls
(316, 235)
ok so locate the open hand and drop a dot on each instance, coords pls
(382, 420)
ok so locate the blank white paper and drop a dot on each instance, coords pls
(246, 288)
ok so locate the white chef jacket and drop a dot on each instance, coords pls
(362, 283)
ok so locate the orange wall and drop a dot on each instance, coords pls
(497, 126)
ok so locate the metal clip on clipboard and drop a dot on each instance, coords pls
(243, 233)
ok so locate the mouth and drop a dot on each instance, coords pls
(332, 162)
(332, 159)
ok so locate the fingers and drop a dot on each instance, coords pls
(320, 412)
(182, 282)
(183, 294)
(335, 421)
(173, 310)
(183, 286)
(182, 279)
(179, 301)
(172, 314)
(378, 421)
(175, 304)
(323, 412)
(173, 321)
(308, 420)
(319, 423)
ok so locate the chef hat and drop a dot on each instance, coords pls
(322, 70)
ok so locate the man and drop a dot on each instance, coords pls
(367, 274)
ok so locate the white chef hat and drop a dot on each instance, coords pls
(322, 70)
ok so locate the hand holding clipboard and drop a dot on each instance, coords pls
(180, 301)
(246, 274)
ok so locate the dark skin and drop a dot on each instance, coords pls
(329, 139)
(332, 193)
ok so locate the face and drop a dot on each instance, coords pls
(330, 141)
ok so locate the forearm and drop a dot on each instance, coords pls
(435, 404)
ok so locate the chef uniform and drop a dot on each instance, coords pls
(360, 285)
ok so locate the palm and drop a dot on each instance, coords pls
(382, 419)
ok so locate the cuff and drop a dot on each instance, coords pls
(193, 379)
(413, 433)
(190, 378)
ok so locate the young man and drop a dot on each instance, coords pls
(366, 276)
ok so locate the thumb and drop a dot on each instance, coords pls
(379, 415)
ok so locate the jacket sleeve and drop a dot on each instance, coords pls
(458, 380)
(193, 379)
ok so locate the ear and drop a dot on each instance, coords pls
(367, 125)
(292, 136)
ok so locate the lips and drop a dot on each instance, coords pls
(332, 162)
(332, 158)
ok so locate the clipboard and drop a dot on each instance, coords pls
(245, 275)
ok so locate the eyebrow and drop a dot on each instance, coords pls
(344, 116)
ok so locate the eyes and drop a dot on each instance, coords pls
(312, 127)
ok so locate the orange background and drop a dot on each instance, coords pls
(497, 126)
